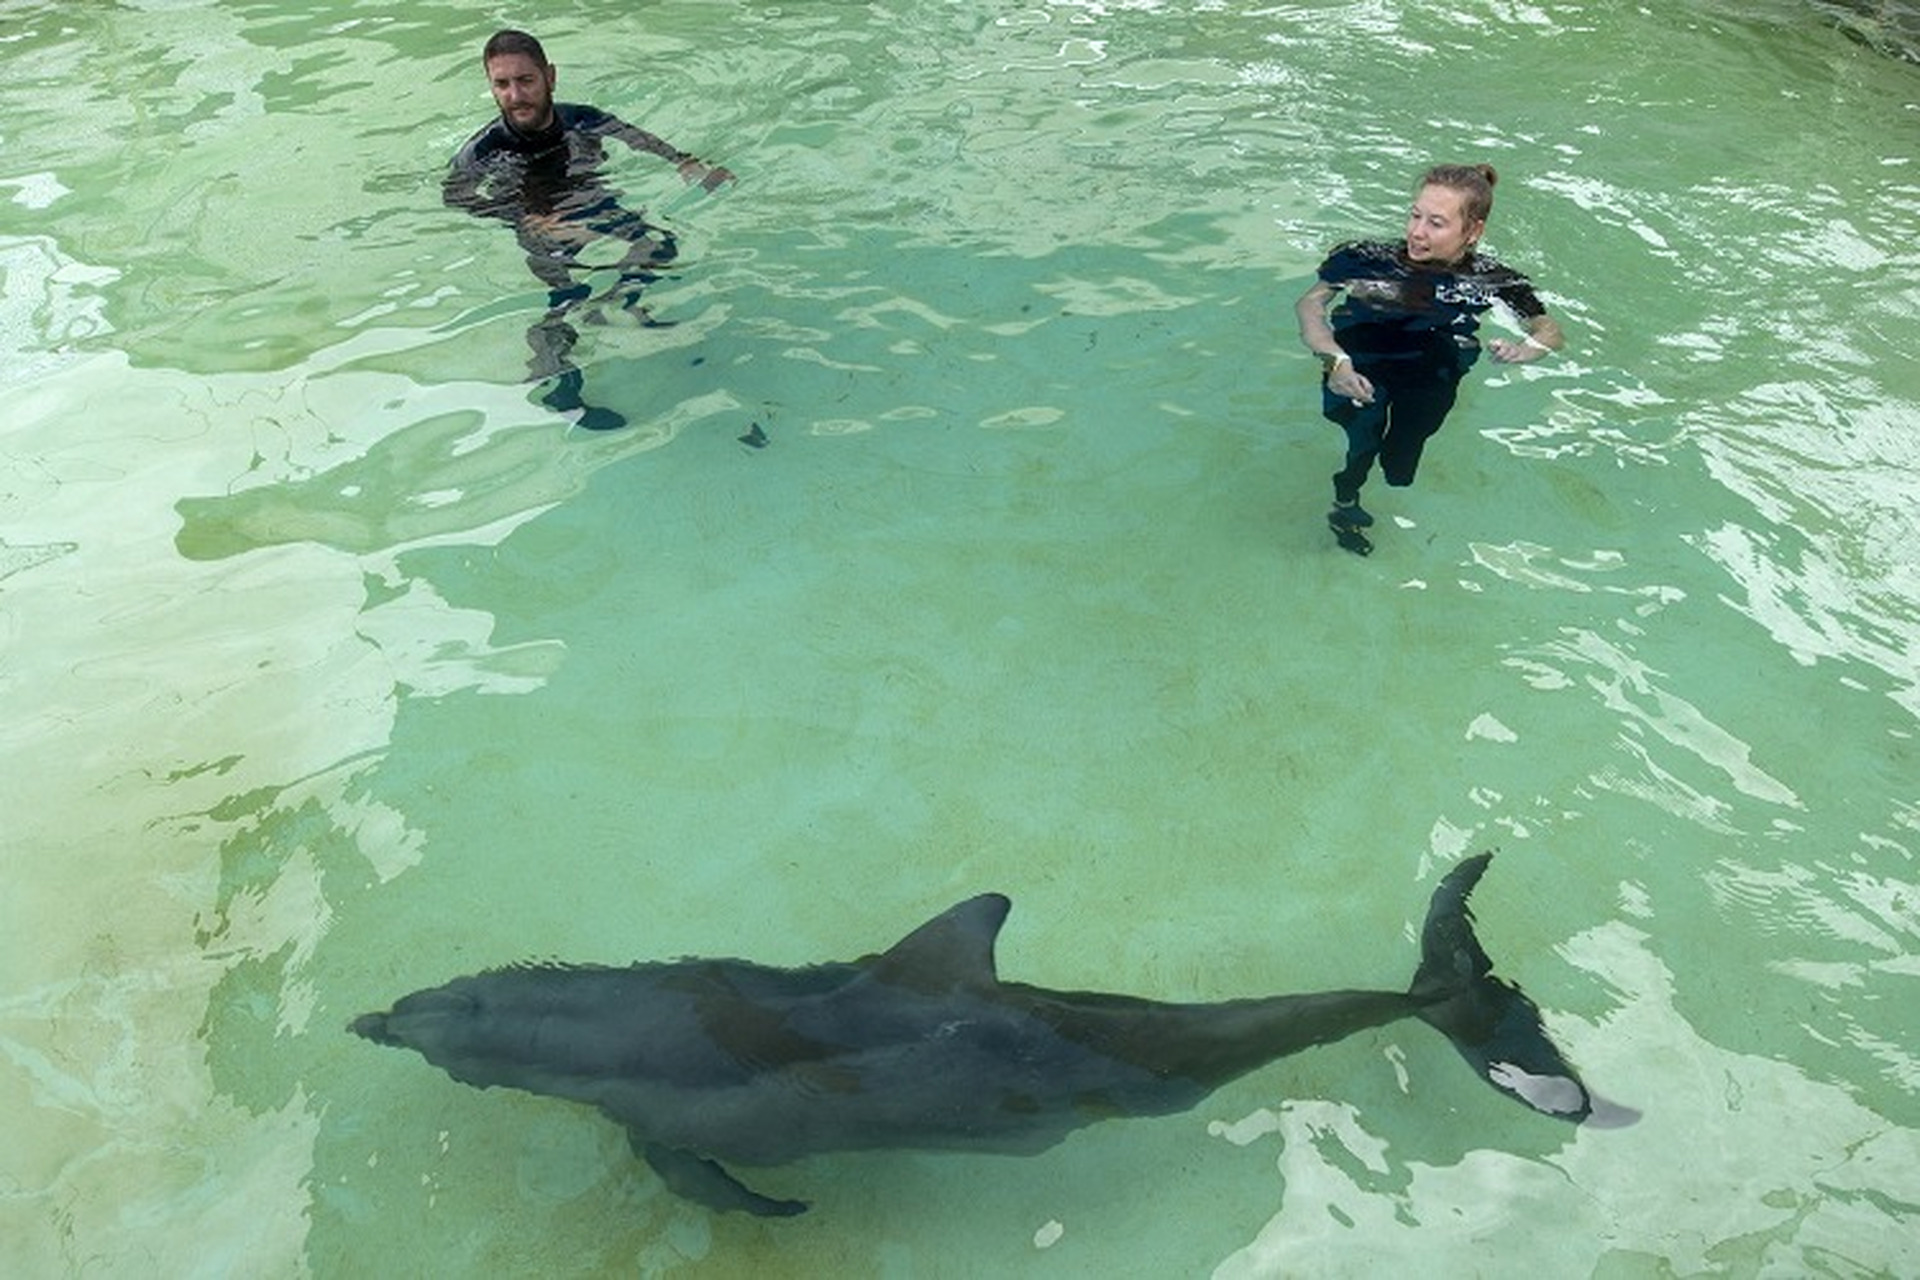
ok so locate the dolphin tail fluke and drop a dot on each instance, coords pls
(1490, 1021)
(704, 1182)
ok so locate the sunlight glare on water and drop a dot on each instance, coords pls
(336, 666)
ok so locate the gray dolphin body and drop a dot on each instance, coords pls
(922, 1046)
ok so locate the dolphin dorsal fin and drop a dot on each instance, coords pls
(954, 949)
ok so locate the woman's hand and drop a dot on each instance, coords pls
(1541, 338)
(1345, 380)
(1507, 351)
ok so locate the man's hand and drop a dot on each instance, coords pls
(711, 177)
(552, 226)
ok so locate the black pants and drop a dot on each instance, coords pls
(554, 260)
(1408, 407)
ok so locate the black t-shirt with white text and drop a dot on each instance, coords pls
(1394, 309)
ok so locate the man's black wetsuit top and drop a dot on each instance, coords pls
(503, 173)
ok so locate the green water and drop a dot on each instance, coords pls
(333, 667)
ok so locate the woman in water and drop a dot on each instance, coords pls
(1394, 348)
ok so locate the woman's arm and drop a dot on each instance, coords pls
(1315, 332)
(1342, 378)
(1543, 336)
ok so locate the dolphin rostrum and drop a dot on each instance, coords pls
(923, 1046)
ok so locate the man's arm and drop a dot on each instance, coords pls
(464, 187)
(460, 189)
(692, 168)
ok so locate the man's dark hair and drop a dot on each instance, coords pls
(510, 41)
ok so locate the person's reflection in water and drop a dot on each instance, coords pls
(537, 168)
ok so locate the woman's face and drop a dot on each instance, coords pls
(1437, 227)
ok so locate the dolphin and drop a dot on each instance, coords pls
(923, 1046)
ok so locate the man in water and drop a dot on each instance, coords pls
(537, 168)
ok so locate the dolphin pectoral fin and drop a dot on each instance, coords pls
(1491, 1022)
(704, 1182)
